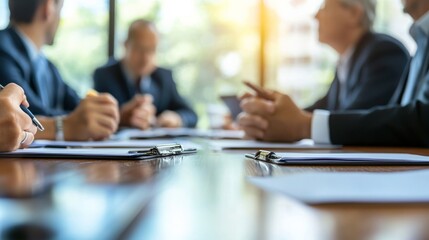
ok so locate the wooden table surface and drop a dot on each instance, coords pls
(202, 196)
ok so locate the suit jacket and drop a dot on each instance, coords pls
(112, 79)
(376, 67)
(391, 125)
(16, 67)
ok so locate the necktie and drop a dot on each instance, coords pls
(417, 68)
(42, 80)
(144, 86)
(339, 91)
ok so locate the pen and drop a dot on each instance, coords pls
(92, 93)
(30, 114)
(259, 91)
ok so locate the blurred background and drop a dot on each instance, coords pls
(211, 45)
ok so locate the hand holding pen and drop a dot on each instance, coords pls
(260, 92)
(17, 124)
(30, 114)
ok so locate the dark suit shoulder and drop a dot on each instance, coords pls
(163, 76)
(110, 72)
(382, 42)
(108, 68)
(6, 40)
(163, 72)
(11, 45)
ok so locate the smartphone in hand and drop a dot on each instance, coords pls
(233, 104)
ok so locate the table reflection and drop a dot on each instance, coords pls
(114, 172)
(21, 179)
(77, 200)
(261, 169)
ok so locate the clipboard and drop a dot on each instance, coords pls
(160, 151)
(378, 159)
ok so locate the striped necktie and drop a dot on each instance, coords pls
(43, 80)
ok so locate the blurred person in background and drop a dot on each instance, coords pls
(33, 24)
(147, 94)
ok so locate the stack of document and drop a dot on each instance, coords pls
(180, 132)
(107, 150)
(354, 187)
(90, 153)
(112, 144)
(252, 144)
(291, 158)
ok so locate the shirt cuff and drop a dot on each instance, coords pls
(320, 127)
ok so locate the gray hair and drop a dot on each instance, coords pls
(369, 8)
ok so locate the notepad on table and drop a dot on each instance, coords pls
(253, 144)
(111, 143)
(101, 153)
(352, 187)
(179, 132)
(291, 158)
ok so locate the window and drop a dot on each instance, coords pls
(211, 46)
(81, 42)
(4, 14)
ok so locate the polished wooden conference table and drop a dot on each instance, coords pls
(201, 196)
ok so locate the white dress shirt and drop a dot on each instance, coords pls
(320, 122)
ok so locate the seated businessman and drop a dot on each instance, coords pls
(371, 64)
(272, 116)
(16, 128)
(33, 24)
(147, 94)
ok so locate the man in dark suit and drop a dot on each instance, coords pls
(370, 65)
(147, 94)
(34, 24)
(404, 122)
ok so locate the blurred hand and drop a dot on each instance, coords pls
(229, 123)
(169, 119)
(96, 118)
(276, 120)
(16, 127)
(139, 112)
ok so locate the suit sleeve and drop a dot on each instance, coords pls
(98, 85)
(179, 105)
(10, 72)
(383, 126)
(98, 82)
(380, 76)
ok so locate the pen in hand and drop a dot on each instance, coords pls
(31, 115)
(262, 93)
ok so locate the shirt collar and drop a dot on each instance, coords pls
(421, 25)
(346, 57)
(32, 50)
(344, 64)
(130, 77)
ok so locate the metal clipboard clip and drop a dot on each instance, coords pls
(265, 156)
(164, 150)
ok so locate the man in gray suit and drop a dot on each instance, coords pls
(405, 122)
(371, 64)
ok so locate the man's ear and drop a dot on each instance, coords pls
(357, 15)
(48, 9)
